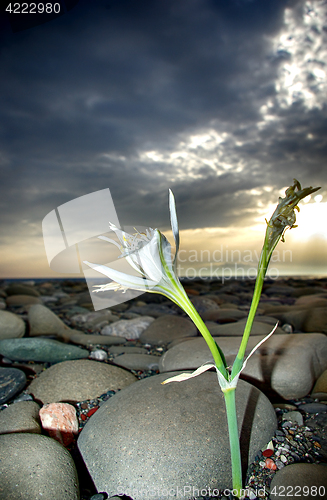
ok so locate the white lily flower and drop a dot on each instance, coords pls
(149, 254)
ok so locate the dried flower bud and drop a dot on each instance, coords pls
(284, 215)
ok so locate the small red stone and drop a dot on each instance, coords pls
(267, 452)
(60, 421)
(93, 410)
(270, 464)
(83, 417)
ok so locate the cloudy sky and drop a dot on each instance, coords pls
(223, 101)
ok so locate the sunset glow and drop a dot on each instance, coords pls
(224, 103)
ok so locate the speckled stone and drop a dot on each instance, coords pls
(188, 429)
(237, 329)
(35, 466)
(43, 321)
(167, 328)
(11, 325)
(203, 304)
(93, 319)
(78, 381)
(60, 420)
(321, 383)
(12, 381)
(310, 317)
(313, 407)
(223, 315)
(21, 289)
(138, 361)
(90, 339)
(22, 300)
(128, 328)
(121, 349)
(153, 310)
(20, 417)
(315, 300)
(293, 416)
(40, 349)
(294, 478)
(98, 355)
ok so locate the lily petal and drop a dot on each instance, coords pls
(258, 345)
(120, 234)
(110, 241)
(147, 259)
(186, 376)
(105, 238)
(125, 280)
(174, 222)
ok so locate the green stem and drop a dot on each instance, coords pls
(180, 298)
(215, 351)
(266, 253)
(234, 441)
(262, 269)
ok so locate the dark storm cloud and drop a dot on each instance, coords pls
(83, 97)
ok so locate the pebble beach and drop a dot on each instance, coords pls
(84, 414)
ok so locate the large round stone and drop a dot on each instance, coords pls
(301, 481)
(78, 380)
(34, 466)
(158, 438)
